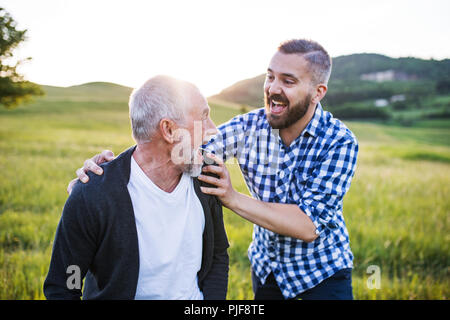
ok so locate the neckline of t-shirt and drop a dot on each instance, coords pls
(147, 181)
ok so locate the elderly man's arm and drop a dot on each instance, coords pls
(73, 250)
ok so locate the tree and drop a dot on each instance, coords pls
(13, 88)
(443, 86)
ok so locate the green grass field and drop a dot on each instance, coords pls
(397, 210)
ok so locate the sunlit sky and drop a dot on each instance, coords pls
(211, 43)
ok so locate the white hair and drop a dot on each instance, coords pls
(159, 97)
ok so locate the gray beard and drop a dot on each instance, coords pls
(193, 169)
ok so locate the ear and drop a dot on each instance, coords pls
(319, 93)
(167, 129)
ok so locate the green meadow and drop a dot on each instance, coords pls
(397, 210)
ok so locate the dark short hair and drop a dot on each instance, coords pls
(317, 57)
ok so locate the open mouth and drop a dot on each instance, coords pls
(277, 107)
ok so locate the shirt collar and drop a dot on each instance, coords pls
(315, 124)
(313, 128)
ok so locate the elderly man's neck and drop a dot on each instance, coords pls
(155, 161)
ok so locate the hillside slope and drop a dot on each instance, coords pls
(359, 77)
(93, 91)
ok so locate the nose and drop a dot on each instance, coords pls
(210, 130)
(274, 88)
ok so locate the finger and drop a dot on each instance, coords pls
(82, 175)
(107, 155)
(215, 158)
(90, 165)
(211, 180)
(213, 169)
(212, 191)
(71, 184)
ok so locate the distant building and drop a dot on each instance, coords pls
(381, 103)
(388, 75)
(398, 97)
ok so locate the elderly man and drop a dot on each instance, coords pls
(143, 230)
(298, 162)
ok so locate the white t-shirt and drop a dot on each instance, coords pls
(170, 235)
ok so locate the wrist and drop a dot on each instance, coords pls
(233, 200)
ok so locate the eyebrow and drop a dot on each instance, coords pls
(289, 75)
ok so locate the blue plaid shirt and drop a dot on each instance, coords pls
(314, 172)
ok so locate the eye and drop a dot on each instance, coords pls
(288, 81)
(269, 76)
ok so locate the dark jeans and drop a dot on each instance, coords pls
(336, 287)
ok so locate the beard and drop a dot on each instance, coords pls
(289, 116)
(194, 167)
(189, 160)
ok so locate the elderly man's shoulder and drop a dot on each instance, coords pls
(111, 183)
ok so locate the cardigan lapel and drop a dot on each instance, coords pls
(208, 233)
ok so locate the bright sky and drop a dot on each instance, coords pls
(212, 43)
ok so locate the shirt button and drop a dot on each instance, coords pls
(271, 249)
(332, 225)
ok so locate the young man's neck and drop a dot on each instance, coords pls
(290, 133)
(155, 161)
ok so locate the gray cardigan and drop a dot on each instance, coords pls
(97, 233)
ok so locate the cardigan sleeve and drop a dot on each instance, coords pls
(74, 247)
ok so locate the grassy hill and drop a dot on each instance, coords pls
(248, 91)
(93, 91)
(397, 209)
(353, 66)
(411, 88)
